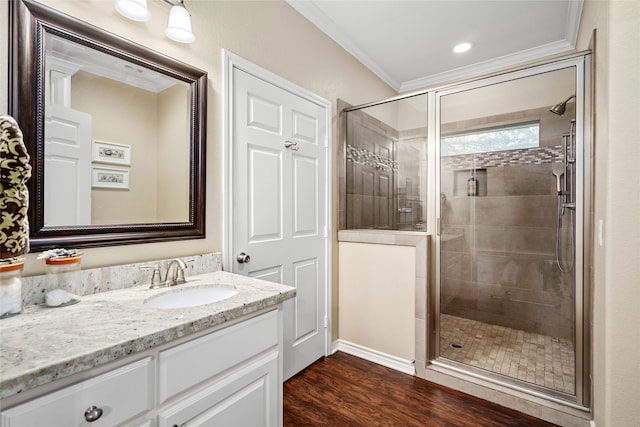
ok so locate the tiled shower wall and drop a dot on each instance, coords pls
(498, 248)
(370, 172)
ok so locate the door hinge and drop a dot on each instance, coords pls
(437, 226)
(326, 322)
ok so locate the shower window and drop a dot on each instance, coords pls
(522, 135)
(386, 166)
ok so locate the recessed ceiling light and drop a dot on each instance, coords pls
(462, 47)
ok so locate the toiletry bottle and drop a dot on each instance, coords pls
(472, 184)
(10, 288)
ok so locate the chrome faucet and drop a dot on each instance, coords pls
(175, 272)
(174, 275)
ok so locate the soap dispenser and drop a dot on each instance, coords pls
(472, 184)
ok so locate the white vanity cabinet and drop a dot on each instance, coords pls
(109, 399)
(229, 377)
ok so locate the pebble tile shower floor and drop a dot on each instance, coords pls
(539, 359)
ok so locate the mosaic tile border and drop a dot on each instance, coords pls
(103, 279)
(522, 156)
(367, 158)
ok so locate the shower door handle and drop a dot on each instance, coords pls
(292, 145)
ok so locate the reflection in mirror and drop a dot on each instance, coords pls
(507, 288)
(116, 133)
(116, 140)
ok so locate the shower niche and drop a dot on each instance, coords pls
(470, 183)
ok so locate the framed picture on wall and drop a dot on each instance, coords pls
(110, 152)
(110, 177)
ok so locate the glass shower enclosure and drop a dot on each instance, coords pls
(497, 170)
(507, 239)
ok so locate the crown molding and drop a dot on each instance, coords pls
(573, 21)
(549, 49)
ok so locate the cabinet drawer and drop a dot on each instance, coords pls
(191, 363)
(122, 394)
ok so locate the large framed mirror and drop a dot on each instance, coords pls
(116, 134)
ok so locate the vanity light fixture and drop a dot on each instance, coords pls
(136, 10)
(462, 47)
(179, 26)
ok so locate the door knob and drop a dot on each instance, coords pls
(243, 258)
(291, 145)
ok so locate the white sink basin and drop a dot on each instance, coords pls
(191, 297)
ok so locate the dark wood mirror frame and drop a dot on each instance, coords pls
(29, 22)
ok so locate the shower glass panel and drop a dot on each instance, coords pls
(507, 236)
(386, 170)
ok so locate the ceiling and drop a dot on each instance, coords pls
(408, 44)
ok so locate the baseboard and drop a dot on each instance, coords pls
(393, 362)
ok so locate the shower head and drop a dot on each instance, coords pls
(560, 108)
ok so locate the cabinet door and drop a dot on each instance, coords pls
(186, 366)
(246, 397)
(121, 395)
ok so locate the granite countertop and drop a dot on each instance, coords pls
(45, 344)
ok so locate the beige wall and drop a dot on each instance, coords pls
(540, 90)
(173, 156)
(377, 297)
(617, 155)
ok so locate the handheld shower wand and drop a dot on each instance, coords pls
(558, 171)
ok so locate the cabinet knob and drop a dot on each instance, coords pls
(92, 413)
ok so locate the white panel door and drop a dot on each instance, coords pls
(279, 196)
(67, 166)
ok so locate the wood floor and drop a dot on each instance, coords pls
(343, 390)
